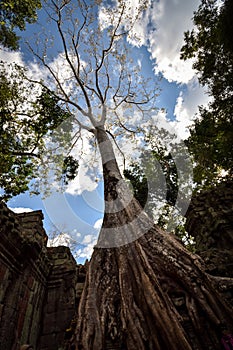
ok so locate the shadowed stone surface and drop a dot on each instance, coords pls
(40, 287)
(210, 222)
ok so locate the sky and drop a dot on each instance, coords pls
(78, 212)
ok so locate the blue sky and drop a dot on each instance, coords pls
(79, 213)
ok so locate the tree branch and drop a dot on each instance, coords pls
(22, 154)
(58, 22)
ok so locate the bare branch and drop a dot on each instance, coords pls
(58, 22)
(104, 54)
(123, 126)
(66, 97)
(83, 40)
(76, 42)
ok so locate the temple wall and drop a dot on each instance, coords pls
(40, 287)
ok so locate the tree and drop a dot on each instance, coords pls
(155, 180)
(15, 14)
(143, 289)
(156, 155)
(210, 44)
(211, 147)
(24, 124)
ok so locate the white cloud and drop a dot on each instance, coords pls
(161, 29)
(89, 165)
(186, 107)
(89, 242)
(36, 71)
(133, 18)
(63, 72)
(171, 18)
(98, 224)
(11, 56)
(77, 187)
(19, 210)
(88, 239)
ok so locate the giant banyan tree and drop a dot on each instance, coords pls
(150, 293)
(143, 290)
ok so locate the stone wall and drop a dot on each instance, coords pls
(210, 222)
(40, 287)
(62, 297)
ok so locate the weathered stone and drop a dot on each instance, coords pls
(210, 222)
(38, 293)
(60, 303)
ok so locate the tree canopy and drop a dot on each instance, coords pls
(155, 166)
(210, 142)
(155, 178)
(87, 83)
(86, 89)
(210, 44)
(24, 124)
(15, 15)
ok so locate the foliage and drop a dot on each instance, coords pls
(15, 14)
(154, 176)
(138, 181)
(87, 92)
(210, 44)
(69, 169)
(210, 143)
(149, 163)
(163, 212)
(155, 181)
(24, 123)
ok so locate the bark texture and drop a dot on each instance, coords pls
(144, 290)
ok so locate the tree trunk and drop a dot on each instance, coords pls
(143, 289)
